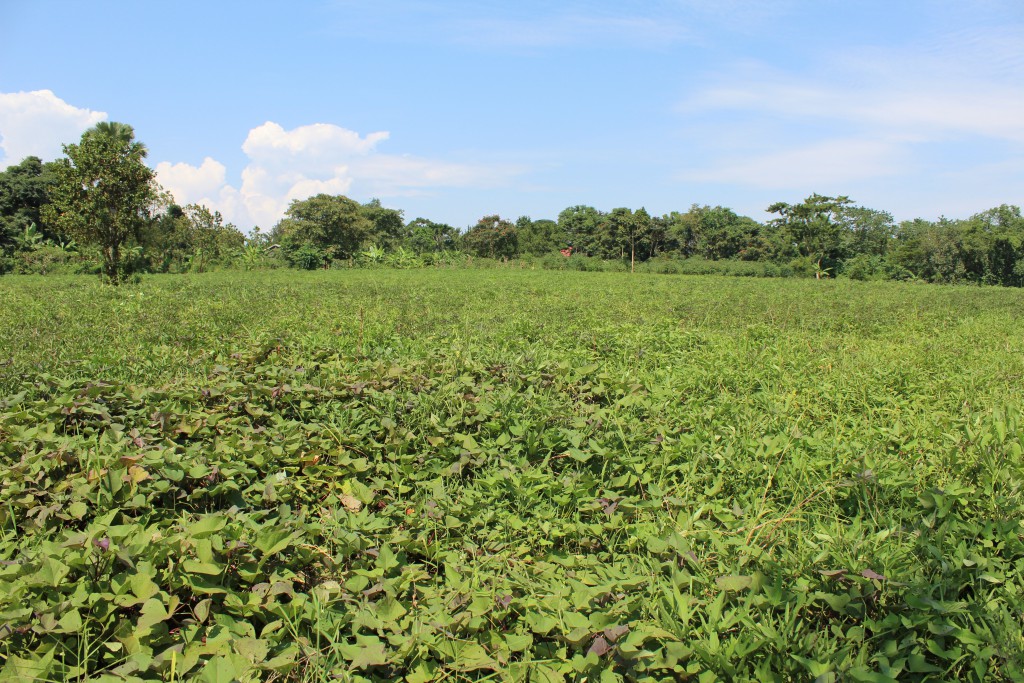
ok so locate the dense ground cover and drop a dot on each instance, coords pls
(447, 475)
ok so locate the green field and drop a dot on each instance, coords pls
(509, 475)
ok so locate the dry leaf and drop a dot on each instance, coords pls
(351, 503)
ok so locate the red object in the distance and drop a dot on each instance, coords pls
(566, 252)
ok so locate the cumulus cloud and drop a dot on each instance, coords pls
(184, 180)
(317, 141)
(37, 123)
(284, 165)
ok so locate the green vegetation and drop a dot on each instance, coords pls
(100, 210)
(509, 475)
(102, 193)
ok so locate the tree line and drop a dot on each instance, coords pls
(100, 209)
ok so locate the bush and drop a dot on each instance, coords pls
(871, 267)
(306, 257)
(802, 266)
(699, 266)
(864, 267)
(51, 260)
(444, 259)
(662, 266)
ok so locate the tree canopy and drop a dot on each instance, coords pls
(100, 208)
(103, 192)
(23, 194)
(324, 227)
(492, 237)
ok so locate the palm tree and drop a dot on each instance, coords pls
(119, 132)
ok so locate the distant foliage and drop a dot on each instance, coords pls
(323, 227)
(492, 237)
(103, 197)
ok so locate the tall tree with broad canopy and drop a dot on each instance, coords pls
(638, 232)
(388, 224)
(866, 231)
(210, 239)
(426, 236)
(321, 228)
(103, 192)
(539, 237)
(580, 227)
(813, 226)
(623, 232)
(715, 233)
(492, 237)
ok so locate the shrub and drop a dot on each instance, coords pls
(52, 260)
(864, 267)
(306, 257)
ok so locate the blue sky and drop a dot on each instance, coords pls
(455, 110)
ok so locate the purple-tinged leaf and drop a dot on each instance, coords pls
(615, 632)
(599, 647)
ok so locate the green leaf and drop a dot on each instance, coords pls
(228, 668)
(365, 653)
(51, 572)
(386, 560)
(207, 526)
(919, 665)
(272, 541)
(541, 624)
(153, 612)
(78, 509)
(252, 649)
(197, 567)
(71, 622)
(734, 583)
(390, 610)
(519, 642)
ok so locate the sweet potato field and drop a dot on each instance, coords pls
(509, 475)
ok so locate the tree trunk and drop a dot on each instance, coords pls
(111, 259)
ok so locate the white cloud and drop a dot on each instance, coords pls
(37, 123)
(317, 142)
(916, 111)
(831, 163)
(285, 165)
(183, 180)
(911, 105)
(391, 174)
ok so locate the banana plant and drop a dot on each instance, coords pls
(821, 273)
(373, 255)
(31, 239)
